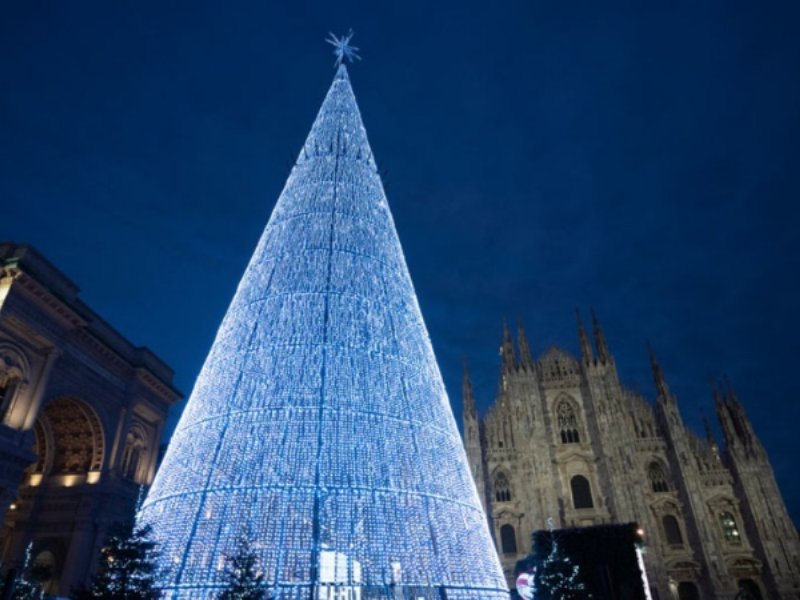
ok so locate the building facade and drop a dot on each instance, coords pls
(565, 439)
(82, 412)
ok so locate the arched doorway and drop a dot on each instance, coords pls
(47, 568)
(77, 437)
(749, 590)
(687, 590)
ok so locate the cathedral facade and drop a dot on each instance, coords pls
(565, 439)
(82, 412)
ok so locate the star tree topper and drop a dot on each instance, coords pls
(342, 48)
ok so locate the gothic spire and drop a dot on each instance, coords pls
(730, 394)
(467, 394)
(525, 357)
(603, 354)
(707, 428)
(740, 419)
(658, 374)
(724, 417)
(507, 355)
(583, 339)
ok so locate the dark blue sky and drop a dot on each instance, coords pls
(537, 157)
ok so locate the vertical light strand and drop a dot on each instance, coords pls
(315, 557)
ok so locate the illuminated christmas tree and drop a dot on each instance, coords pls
(244, 580)
(319, 422)
(127, 569)
(558, 577)
(28, 585)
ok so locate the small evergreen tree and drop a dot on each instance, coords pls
(243, 580)
(28, 585)
(558, 578)
(127, 568)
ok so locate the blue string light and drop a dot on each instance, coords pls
(319, 425)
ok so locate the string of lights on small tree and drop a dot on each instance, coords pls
(243, 579)
(127, 568)
(29, 585)
(558, 577)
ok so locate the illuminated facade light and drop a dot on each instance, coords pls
(319, 426)
(71, 480)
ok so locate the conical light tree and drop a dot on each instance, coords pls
(319, 422)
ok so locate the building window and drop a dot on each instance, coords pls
(567, 423)
(8, 388)
(688, 591)
(39, 448)
(672, 531)
(658, 478)
(729, 530)
(13, 369)
(749, 589)
(130, 462)
(48, 567)
(508, 539)
(133, 453)
(502, 488)
(581, 492)
(77, 436)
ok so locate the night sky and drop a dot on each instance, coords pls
(538, 157)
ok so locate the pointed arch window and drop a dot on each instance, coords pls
(40, 448)
(688, 591)
(8, 388)
(567, 423)
(11, 376)
(508, 539)
(658, 477)
(581, 492)
(502, 488)
(135, 451)
(729, 529)
(749, 589)
(672, 531)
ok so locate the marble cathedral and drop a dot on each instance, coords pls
(566, 439)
